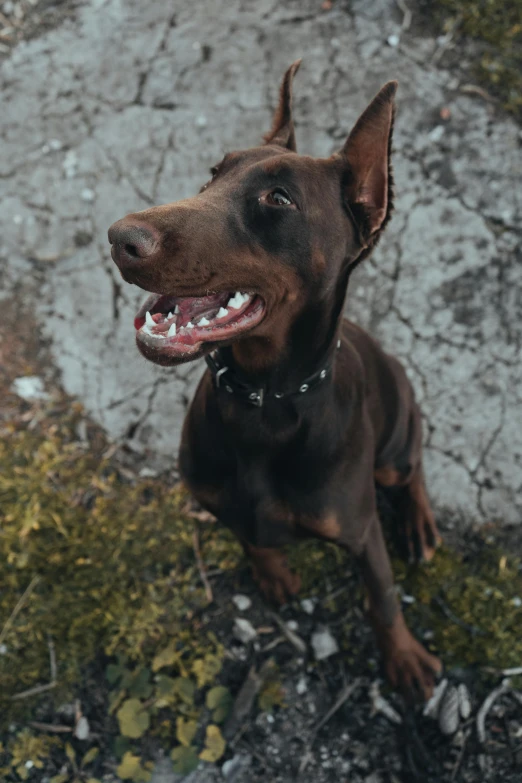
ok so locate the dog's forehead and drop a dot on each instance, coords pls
(272, 161)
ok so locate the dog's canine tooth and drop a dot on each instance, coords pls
(176, 310)
(222, 312)
(149, 319)
(204, 322)
(172, 331)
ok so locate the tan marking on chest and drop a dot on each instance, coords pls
(326, 527)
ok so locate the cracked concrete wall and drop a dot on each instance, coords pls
(129, 104)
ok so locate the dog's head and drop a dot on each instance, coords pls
(271, 238)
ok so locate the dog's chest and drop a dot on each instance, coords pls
(270, 504)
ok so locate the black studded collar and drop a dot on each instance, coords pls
(225, 379)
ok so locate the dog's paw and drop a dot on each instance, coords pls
(280, 589)
(409, 666)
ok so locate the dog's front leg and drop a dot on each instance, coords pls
(271, 572)
(407, 663)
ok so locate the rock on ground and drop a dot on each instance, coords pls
(128, 104)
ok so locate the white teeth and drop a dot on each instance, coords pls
(149, 319)
(176, 310)
(190, 325)
(238, 300)
(222, 312)
(172, 331)
(204, 322)
(169, 315)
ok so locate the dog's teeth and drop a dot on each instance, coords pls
(149, 320)
(236, 301)
(170, 315)
(203, 322)
(190, 325)
(222, 312)
(176, 310)
(172, 331)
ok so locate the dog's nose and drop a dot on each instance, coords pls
(132, 243)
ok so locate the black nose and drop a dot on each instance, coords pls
(131, 243)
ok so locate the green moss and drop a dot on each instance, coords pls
(498, 25)
(471, 606)
(116, 574)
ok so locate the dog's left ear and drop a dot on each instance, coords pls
(368, 183)
(282, 132)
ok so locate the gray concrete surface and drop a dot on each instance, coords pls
(128, 105)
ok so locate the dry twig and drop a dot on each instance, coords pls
(201, 567)
(19, 606)
(504, 687)
(344, 696)
(291, 636)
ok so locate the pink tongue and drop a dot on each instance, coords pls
(193, 307)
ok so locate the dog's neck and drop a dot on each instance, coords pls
(309, 349)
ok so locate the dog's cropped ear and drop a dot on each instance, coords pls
(282, 132)
(368, 182)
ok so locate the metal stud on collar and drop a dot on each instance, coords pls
(303, 388)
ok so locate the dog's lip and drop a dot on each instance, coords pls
(179, 327)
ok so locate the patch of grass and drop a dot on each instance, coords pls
(498, 25)
(112, 570)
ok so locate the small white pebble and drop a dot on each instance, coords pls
(270, 718)
(308, 605)
(29, 764)
(244, 630)
(55, 144)
(516, 601)
(292, 625)
(393, 40)
(201, 121)
(408, 599)
(87, 194)
(242, 602)
(437, 133)
(3, 649)
(301, 686)
(8, 7)
(324, 644)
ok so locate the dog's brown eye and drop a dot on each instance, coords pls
(278, 198)
(214, 170)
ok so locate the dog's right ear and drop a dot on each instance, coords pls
(282, 132)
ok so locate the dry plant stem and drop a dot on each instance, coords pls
(293, 638)
(406, 15)
(19, 606)
(460, 756)
(485, 708)
(245, 698)
(55, 729)
(49, 685)
(344, 696)
(201, 567)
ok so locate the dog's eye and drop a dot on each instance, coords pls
(278, 198)
(213, 171)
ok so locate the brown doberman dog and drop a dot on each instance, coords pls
(300, 413)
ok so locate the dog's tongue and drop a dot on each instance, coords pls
(191, 308)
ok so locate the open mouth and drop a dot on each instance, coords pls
(176, 326)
